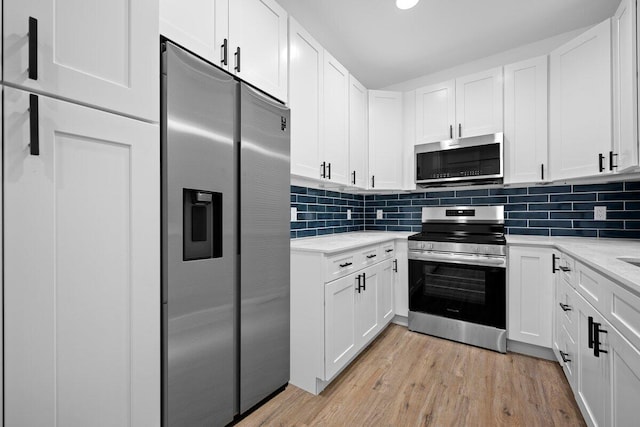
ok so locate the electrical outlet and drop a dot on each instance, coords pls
(348, 213)
(600, 213)
(379, 214)
(294, 214)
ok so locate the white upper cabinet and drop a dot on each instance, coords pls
(306, 66)
(385, 140)
(625, 84)
(525, 121)
(245, 37)
(101, 53)
(203, 27)
(258, 44)
(357, 133)
(435, 112)
(580, 105)
(335, 129)
(479, 103)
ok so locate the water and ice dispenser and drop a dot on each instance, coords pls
(202, 224)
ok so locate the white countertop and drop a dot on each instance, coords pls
(333, 243)
(600, 254)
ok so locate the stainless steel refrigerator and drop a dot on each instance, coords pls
(225, 243)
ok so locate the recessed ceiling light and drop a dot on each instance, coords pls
(406, 4)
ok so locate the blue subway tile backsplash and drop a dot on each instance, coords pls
(559, 210)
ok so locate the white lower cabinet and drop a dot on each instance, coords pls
(401, 279)
(594, 338)
(339, 304)
(530, 295)
(82, 265)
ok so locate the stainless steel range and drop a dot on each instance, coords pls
(457, 275)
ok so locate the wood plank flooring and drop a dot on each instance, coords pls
(409, 379)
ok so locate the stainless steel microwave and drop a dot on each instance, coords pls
(476, 159)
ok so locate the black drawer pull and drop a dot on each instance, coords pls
(565, 269)
(364, 282)
(33, 48)
(388, 250)
(346, 264)
(359, 283)
(372, 256)
(34, 130)
(565, 356)
(565, 307)
(395, 265)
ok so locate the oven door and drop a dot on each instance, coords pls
(472, 291)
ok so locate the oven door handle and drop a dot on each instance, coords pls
(486, 261)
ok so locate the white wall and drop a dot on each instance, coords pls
(507, 57)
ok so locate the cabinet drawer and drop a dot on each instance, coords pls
(565, 308)
(569, 357)
(387, 250)
(567, 269)
(624, 313)
(593, 287)
(369, 256)
(340, 265)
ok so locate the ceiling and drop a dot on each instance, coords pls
(382, 45)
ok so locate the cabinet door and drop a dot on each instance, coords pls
(357, 133)
(340, 325)
(367, 300)
(580, 104)
(479, 103)
(625, 381)
(530, 295)
(525, 121)
(385, 140)
(335, 120)
(101, 53)
(593, 383)
(625, 82)
(203, 27)
(401, 280)
(82, 321)
(258, 44)
(305, 100)
(385, 292)
(435, 112)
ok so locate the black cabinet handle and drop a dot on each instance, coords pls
(354, 177)
(542, 171)
(600, 162)
(323, 165)
(359, 284)
(373, 181)
(34, 129)
(364, 282)
(329, 169)
(554, 257)
(450, 131)
(223, 52)
(596, 339)
(388, 250)
(395, 265)
(459, 130)
(611, 156)
(33, 48)
(565, 307)
(565, 269)
(372, 256)
(590, 331)
(346, 264)
(237, 56)
(565, 356)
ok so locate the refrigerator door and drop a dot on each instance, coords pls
(199, 200)
(264, 247)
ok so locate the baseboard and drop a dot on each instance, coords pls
(400, 320)
(531, 350)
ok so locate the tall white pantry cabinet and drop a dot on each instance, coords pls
(81, 213)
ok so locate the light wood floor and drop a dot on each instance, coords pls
(409, 379)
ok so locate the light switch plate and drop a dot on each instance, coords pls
(600, 213)
(294, 214)
(348, 213)
(379, 214)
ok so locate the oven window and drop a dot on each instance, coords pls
(466, 292)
